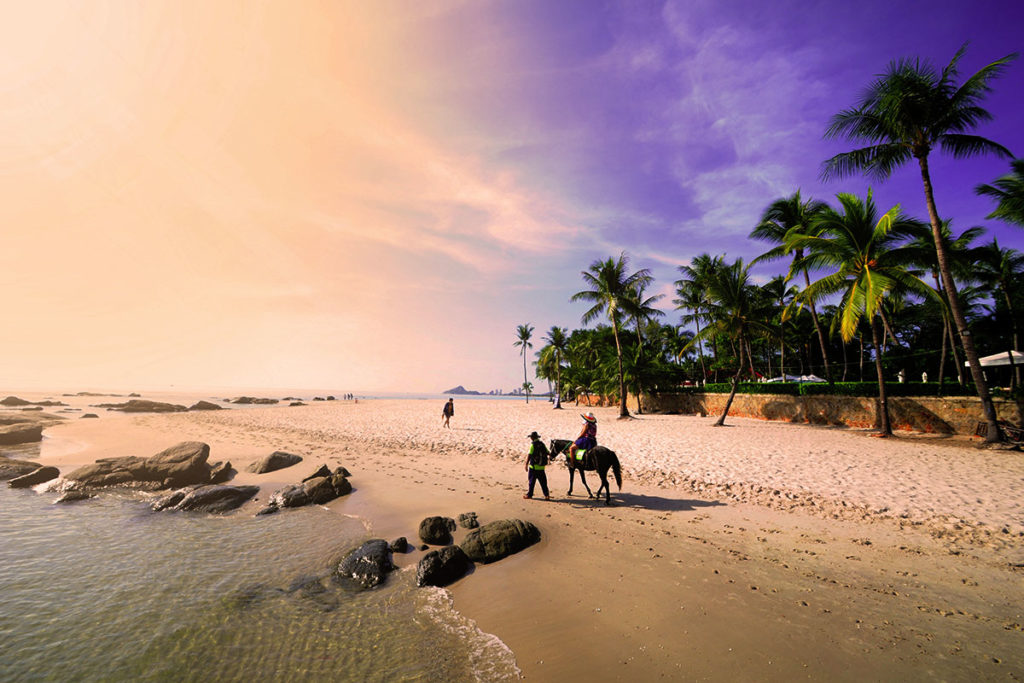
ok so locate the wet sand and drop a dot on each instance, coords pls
(760, 550)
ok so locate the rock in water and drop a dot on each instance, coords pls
(216, 498)
(11, 435)
(442, 567)
(468, 520)
(11, 468)
(277, 460)
(496, 540)
(180, 465)
(32, 478)
(437, 530)
(365, 567)
(144, 406)
(400, 545)
(205, 405)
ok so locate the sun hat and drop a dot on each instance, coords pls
(533, 435)
(589, 417)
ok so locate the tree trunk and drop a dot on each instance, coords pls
(623, 410)
(861, 338)
(558, 382)
(845, 362)
(980, 384)
(524, 375)
(1013, 326)
(883, 402)
(821, 334)
(732, 394)
(948, 329)
(942, 358)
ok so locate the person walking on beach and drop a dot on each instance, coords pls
(448, 411)
(587, 438)
(536, 461)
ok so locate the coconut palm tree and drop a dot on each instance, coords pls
(1008, 190)
(642, 310)
(866, 261)
(611, 288)
(523, 335)
(906, 113)
(783, 218)
(999, 268)
(559, 343)
(691, 292)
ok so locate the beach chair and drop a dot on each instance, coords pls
(1011, 433)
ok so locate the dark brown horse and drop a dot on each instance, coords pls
(598, 459)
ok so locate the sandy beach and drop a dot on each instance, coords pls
(757, 551)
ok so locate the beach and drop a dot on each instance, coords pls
(760, 550)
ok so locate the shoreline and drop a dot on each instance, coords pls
(681, 570)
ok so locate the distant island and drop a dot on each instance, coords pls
(463, 391)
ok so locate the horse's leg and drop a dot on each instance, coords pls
(583, 479)
(572, 473)
(604, 485)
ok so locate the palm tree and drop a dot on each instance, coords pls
(691, 291)
(641, 310)
(999, 268)
(610, 289)
(1009, 192)
(559, 343)
(866, 262)
(784, 218)
(523, 335)
(905, 113)
(733, 311)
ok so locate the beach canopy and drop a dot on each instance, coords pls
(795, 378)
(1002, 358)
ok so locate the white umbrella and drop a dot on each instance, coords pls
(1002, 358)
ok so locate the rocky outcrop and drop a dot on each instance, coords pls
(221, 472)
(184, 464)
(89, 415)
(277, 460)
(468, 520)
(207, 499)
(74, 495)
(365, 567)
(496, 540)
(318, 490)
(43, 474)
(437, 530)
(400, 545)
(11, 468)
(20, 433)
(144, 406)
(249, 400)
(14, 402)
(442, 567)
(205, 405)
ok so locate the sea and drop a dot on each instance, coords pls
(107, 590)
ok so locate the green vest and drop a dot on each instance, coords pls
(532, 466)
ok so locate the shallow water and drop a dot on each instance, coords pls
(105, 589)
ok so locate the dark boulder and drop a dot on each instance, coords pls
(437, 530)
(496, 540)
(88, 415)
(39, 476)
(365, 567)
(400, 545)
(249, 400)
(221, 472)
(205, 405)
(73, 495)
(216, 498)
(293, 496)
(277, 460)
(322, 472)
(468, 520)
(14, 402)
(143, 406)
(296, 404)
(11, 468)
(442, 567)
(325, 489)
(184, 464)
(268, 509)
(169, 501)
(20, 433)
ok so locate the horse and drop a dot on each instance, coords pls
(598, 459)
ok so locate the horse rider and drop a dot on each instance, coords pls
(587, 438)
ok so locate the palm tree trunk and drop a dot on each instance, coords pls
(1013, 326)
(821, 333)
(987, 407)
(942, 358)
(558, 382)
(861, 338)
(845, 363)
(885, 428)
(623, 410)
(732, 394)
(525, 390)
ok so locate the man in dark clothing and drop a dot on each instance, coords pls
(536, 461)
(448, 412)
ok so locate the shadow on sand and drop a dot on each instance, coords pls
(642, 502)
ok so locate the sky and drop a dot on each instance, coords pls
(372, 196)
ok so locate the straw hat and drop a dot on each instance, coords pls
(589, 417)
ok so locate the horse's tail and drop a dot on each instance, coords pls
(616, 469)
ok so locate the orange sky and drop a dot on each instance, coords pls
(215, 194)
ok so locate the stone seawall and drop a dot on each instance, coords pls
(952, 415)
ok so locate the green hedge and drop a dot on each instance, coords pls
(835, 389)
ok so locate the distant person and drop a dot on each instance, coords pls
(924, 377)
(448, 411)
(536, 461)
(587, 438)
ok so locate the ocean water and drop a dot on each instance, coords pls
(106, 590)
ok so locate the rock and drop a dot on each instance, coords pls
(136, 405)
(14, 401)
(205, 405)
(32, 478)
(88, 415)
(268, 509)
(293, 496)
(400, 545)
(442, 567)
(11, 468)
(73, 495)
(496, 540)
(22, 418)
(296, 404)
(330, 398)
(325, 489)
(33, 408)
(437, 530)
(365, 567)
(467, 520)
(20, 433)
(216, 498)
(249, 400)
(168, 501)
(322, 472)
(221, 472)
(277, 460)
(183, 464)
